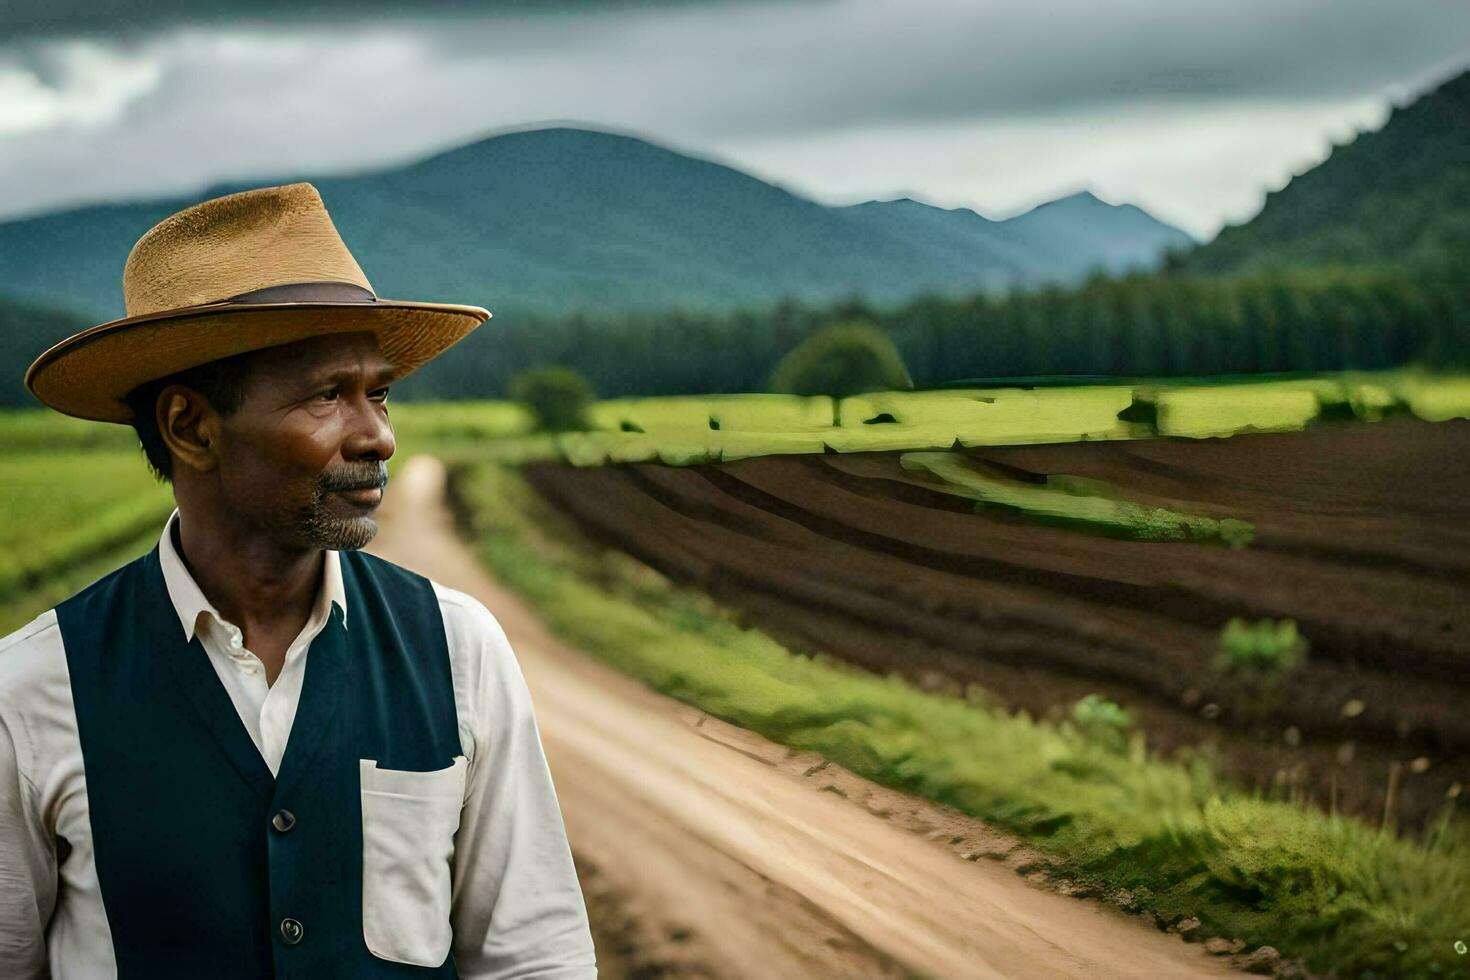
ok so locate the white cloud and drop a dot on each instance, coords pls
(70, 83)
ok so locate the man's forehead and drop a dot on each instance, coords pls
(321, 357)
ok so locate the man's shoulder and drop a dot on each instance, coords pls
(479, 650)
(467, 612)
(466, 617)
(380, 567)
(121, 585)
(485, 667)
(32, 659)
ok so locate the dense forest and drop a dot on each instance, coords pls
(1314, 319)
(1305, 320)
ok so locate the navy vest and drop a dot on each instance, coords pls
(197, 875)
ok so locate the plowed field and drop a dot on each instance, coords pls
(1362, 537)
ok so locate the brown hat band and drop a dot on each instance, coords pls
(306, 292)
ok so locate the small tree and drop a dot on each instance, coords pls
(1254, 659)
(556, 395)
(843, 359)
(1102, 722)
(1263, 652)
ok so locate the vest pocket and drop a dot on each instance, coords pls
(408, 824)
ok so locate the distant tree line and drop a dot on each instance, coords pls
(1169, 324)
(1305, 319)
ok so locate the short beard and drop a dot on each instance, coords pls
(323, 530)
(320, 528)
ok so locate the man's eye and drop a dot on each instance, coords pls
(328, 393)
(383, 392)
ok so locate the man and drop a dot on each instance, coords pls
(257, 751)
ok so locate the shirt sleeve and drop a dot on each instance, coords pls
(27, 864)
(518, 910)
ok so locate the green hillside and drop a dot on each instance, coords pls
(1399, 196)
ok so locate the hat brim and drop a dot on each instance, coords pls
(88, 374)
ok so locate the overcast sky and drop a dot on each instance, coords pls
(1191, 109)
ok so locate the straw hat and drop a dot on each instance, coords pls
(232, 274)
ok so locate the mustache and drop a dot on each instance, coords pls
(365, 476)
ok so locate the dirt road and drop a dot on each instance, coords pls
(735, 857)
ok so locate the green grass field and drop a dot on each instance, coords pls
(79, 501)
(702, 429)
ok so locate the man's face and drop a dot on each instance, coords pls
(312, 431)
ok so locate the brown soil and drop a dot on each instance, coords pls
(1362, 537)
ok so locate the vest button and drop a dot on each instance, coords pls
(291, 931)
(284, 820)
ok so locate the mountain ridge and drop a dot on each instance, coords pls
(560, 219)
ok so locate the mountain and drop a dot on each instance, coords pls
(563, 219)
(1059, 241)
(1399, 196)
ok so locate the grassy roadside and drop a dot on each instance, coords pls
(1343, 898)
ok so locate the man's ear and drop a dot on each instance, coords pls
(189, 426)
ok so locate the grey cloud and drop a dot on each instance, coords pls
(800, 63)
(776, 68)
(317, 91)
(121, 18)
(828, 66)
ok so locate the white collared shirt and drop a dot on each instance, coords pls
(267, 711)
(517, 907)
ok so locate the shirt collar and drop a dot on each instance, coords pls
(189, 601)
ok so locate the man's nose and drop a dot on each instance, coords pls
(372, 433)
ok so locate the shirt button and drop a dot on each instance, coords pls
(291, 931)
(284, 820)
